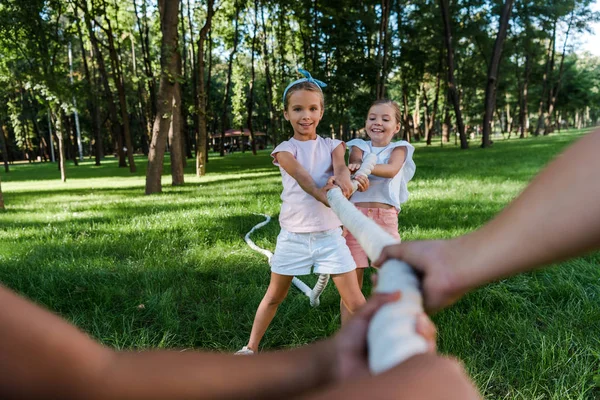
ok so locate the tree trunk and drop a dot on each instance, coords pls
(431, 122)
(71, 137)
(110, 102)
(58, 128)
(117, 75)
(1, 197)
(169, 14)
(251, 85)
(228, 81)
(426, 114)
(186, 144)
(549, 61)
(523, 112)
(202, 136)
(451, 84)
(269, 82)
(490, 90)
(408, 121)
(91, 101)
(145, 42)
(175, 134)
(382, 49)
(194, 73)
(4, 148)
(554, 91)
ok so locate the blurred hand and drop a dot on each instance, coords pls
(354, 167)
(345, 184)
(435, 261)
(363, 182)
(350, 344)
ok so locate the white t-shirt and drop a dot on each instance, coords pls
(300, 212)
(392, 191)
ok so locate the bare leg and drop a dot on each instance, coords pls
(276, 292)
(345, 314)
(425, 376)
(347, 286)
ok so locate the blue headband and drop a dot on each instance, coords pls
(308, 78)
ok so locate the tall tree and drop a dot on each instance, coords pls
(119, 82)
(251, 84)
(224, 119)
(175, 133)
(110, 102)
(91, 100)
(490, 90)
(202, 96)
(4, 147)
(1, 197)
(169, 14)
(451, 84)
(383, 49)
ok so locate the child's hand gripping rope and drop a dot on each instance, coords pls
(392, 337)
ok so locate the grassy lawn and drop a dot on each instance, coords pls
(173, 270)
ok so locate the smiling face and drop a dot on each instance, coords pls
(381, 124)
(304, 111)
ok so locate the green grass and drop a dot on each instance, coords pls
(95, 249)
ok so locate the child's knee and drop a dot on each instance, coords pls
(354, 303)
(274, 299)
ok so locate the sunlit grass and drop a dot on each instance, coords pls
(172, 270)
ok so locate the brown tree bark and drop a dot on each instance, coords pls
(251, 85)
(554, 90)
(91, 101)
(194, 73)
(169, 14)
(202, 135)
(431, 122)
(228, 81)
(1, 197)
(110, 102)
(490, 90)
(145, 42)
(273, 131)
(407, 117)
(117, 75)
(549, 67)
(4, 148)
(186, 144)
(523, 111)
(175, 134)
(454, 97)
(58, 130)
(382, 49)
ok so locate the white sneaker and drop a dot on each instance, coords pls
(245, 351)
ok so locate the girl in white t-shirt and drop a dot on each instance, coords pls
(387, 182)
(310, 231)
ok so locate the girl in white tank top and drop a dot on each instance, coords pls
(387, 182)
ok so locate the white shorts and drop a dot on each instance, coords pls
(296, 253)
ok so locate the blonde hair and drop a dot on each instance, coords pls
(391, 103)
(308, 86)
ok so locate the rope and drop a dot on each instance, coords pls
(312, 294)
(392, 337)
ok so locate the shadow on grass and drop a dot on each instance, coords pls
(234, 163)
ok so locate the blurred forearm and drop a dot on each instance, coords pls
(556, 217)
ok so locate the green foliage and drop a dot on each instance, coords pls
(339, 41)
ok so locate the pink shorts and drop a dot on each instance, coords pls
(387, 218)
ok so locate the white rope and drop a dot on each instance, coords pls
(312, 294)
(392, 337)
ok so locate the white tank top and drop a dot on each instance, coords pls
(392, 191)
